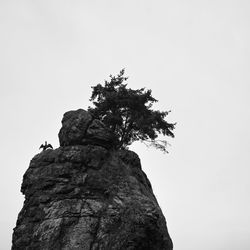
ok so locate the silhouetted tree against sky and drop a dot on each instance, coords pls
(129, 114)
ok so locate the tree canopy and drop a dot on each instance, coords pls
(129, 114)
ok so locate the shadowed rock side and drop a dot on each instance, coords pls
(80, 128)
(89, 197)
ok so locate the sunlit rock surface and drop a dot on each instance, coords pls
(88, 196)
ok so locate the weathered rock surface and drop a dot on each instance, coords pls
(88, 197)
(80, 128)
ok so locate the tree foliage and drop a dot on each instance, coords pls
(129, 114)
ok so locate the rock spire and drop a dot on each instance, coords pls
(87, 195)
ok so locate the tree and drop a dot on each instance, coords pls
(128, 113)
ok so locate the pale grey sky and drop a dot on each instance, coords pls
(195, 57)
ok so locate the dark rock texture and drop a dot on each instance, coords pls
(80, 128)
(88, 197)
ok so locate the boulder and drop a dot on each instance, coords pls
(80, 128)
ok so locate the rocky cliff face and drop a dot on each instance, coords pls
(86, 195)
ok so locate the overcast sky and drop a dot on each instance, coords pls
(193, 54)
